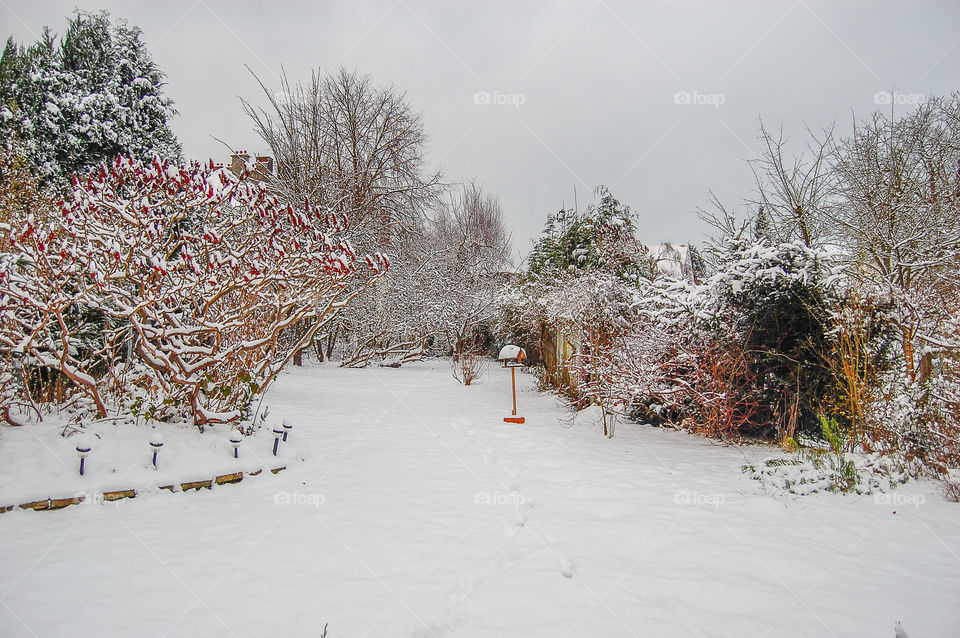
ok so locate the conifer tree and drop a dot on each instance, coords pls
(83, 100)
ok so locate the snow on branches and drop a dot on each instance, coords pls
(737, 354)
(193, 271)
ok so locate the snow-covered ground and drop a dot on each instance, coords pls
(417, 511)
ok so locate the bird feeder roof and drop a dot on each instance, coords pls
(510, 351)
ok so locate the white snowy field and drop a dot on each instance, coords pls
(418, 512)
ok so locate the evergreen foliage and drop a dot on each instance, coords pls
(602, 238)
(94, 94)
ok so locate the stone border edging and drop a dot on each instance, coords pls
(51, 504)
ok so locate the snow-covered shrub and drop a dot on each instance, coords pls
(833, 468)
(739, 354)
(778, 299)
(951, 487)
(814, 470)
(441, 291)
(196, 273)
(859, 354)
(919, 422)
(874, 399)
(468, 364)
(719, 387)
(581, 282)
(640, 370)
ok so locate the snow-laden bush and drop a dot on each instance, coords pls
(581, 282)
(441, 291)
(192, 272)
(814, 471)
(919, 422)
(778, 299)
(738, 354)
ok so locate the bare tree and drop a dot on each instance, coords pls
(795, 193)
(345, 143)
(442, 285)
(900, 216)
(473, 249)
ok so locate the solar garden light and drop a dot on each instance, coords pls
(287, 426)
(83, 449)
(236, 438)
(277, 435)
(156, 442)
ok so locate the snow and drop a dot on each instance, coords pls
(37, 463)
(409, 508)
(510, 352)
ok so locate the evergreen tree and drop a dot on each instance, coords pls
(137, 85)
(31, 93)
(94, 95)
(603, 239)
(778, 298)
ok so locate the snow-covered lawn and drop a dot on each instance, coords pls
(418, 512)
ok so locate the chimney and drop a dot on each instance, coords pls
(238, 160)
(264, 165)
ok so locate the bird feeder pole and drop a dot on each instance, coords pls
(512, 357)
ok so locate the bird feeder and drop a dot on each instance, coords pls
(287, 426)
(236, 438)
(277, 435)
(83, 449)
(156, 442)
(512, 357)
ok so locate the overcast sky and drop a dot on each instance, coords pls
(660, 101)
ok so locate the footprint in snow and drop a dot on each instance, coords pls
(510, 472)
(510, 527)
(434, 631)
